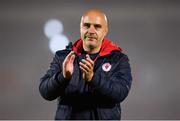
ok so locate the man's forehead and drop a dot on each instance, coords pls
(94, 16)
(94, 12)
(93, 19)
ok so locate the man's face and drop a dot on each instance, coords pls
(93, 29)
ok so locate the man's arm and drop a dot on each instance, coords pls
(53, 83)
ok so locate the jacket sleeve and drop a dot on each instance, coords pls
(53, 84)
(114, 87)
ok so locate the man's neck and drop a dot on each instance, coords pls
(92, 50)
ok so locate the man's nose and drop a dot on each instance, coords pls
(91, 29)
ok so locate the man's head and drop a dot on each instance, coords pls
(93, 28)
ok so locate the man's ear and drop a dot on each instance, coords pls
(106, 31)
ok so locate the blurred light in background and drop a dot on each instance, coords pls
(58, 42)
(53, 29)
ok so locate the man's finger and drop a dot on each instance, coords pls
(72, 58)
(83, 69)
(70, 54)
(87, 63)
(68, 57)
(84, 66)
(89, 60)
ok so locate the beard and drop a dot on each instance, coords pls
(91, 44)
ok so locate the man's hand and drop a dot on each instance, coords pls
(68, 66)
(87, 66)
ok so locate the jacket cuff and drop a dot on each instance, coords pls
(60, 78)
(95, 82)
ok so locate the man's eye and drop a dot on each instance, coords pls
(86, 25)
(97, 26)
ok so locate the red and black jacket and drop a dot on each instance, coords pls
(98, 99)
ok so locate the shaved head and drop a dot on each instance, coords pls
(96, 12)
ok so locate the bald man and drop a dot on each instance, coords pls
(92, 77)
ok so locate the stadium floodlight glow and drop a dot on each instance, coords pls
(53, 27)
(58, 42)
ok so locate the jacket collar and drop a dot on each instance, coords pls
(107, 47)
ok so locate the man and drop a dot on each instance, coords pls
(90, 79)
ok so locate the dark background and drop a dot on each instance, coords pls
(147, 30)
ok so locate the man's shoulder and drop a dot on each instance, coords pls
(62, 52)
(117, 54)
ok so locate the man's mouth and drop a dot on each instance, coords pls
(89, 37)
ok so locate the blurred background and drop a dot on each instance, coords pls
(147, 30)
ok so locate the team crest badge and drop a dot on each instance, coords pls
(106, 67)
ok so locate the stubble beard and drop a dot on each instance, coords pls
(89, 45)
